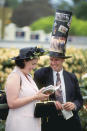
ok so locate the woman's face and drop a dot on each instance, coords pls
(30, 65)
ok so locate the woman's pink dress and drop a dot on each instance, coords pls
(22, 118)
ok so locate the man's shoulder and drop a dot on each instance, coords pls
(43, 70)
(70, 74)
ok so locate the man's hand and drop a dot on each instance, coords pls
(69, 106)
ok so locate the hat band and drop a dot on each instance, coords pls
(56, 54)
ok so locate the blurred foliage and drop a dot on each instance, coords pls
(83, 116)
(76, 1)
(44, 23)
(11, 3)
(80, 10)
(7, 9)
(8, 14)
(42, 8)
(78, 7)
(77, 64)
(2, 125)
(64, 5)
(78, 27)
(6, 64)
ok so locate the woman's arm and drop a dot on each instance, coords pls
(13, 89)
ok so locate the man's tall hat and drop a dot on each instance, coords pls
(60, 33)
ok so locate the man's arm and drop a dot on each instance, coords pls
(79, 100)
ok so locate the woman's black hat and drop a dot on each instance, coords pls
(30, 53)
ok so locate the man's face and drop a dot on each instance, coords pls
(56, 63)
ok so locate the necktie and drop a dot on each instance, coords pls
(58, 92)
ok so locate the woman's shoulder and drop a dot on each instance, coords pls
(13, 77)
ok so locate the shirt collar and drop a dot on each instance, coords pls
(60, 72)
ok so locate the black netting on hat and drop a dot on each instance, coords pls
(30, 53)
(39, 51)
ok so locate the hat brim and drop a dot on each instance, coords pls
(58, 55)
(19, 58)
(14, 58)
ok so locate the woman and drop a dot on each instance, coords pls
(22, 92)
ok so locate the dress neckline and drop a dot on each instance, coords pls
(29, 80)
(26, 76)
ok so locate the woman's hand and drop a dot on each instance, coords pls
(41, 96)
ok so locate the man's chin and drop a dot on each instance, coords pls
(54, 68)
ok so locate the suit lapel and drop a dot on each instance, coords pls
(50, 77)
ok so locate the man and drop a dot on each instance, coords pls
(71, 95)
(71, 98)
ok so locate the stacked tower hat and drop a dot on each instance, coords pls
(60, 31)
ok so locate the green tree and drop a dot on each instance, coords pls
(29, 11)
(64, 5)
(44, 23)
(11, 3)
(78, 27)
(81, 11)
(78, 1)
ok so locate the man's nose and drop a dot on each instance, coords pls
(53, 62)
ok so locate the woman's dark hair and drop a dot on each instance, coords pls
(20, 62)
